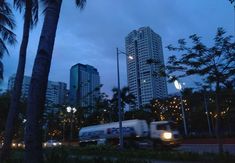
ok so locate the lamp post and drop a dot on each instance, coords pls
(119, 99)
(72, 111)
(178, 86)
(24, 121)
(63, 130)
(207, 113)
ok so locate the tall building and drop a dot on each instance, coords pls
(84, 85)
(56, 91)
(144, 44)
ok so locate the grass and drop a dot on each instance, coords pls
(107, 154)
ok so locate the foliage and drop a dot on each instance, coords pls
(31, 9)
(194, 105)
(97, 154)
(215, 64)
(7, 24)
(139, 114)
(126, 98)
(231, 1)
(5, 103)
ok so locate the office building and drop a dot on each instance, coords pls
(56, 91)
(84, 85)
(144, 44)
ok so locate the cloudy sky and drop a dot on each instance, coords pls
(91, 36)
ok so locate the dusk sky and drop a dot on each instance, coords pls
(91, 36)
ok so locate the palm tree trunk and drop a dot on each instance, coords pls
(218, 120)
(38, 85)
(16, 92)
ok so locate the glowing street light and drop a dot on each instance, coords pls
(178, 86)
(130, 57)
(69, 109)
(24, 120)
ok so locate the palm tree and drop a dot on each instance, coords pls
(7, 24)
(30, 20)
(38, 85)
(126, 98)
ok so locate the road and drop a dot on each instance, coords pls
(212, 148)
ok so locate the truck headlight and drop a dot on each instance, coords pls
(13, 144)
(167, 135)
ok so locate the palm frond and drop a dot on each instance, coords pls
(3, 48)
(1, 70)
(19, 5)
(35, 8)
(6, 16)
(7, 23)
(28, 7)
(80, 3)
(7, 35)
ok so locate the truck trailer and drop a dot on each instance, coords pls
(135, 133)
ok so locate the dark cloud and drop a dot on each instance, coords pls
(92, 35)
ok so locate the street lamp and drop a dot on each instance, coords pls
(119, 98)
(178, 86)
(24, 120)
(72, 111)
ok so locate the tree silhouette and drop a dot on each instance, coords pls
(7, 24)
(126, 98)
(215, 64)
(30, 20)
(38, 85)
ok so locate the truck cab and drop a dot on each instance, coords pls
(165, 133)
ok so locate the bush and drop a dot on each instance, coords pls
(107, 154)
(56, 155)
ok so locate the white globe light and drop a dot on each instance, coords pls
(74, 110)
(69, 109)
(177, 85)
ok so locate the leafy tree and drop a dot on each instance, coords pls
(102, 112)
(78, 119)
(215, 64)
(30, 9)
(139, 114)
(102, 109)
(126, 98)
(51, 125)
(7, 24)
(4, 103)
(167, 109)
(38, 85)
(232, 1)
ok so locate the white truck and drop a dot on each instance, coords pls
(135, 133)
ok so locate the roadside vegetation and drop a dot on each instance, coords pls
(110, 154)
